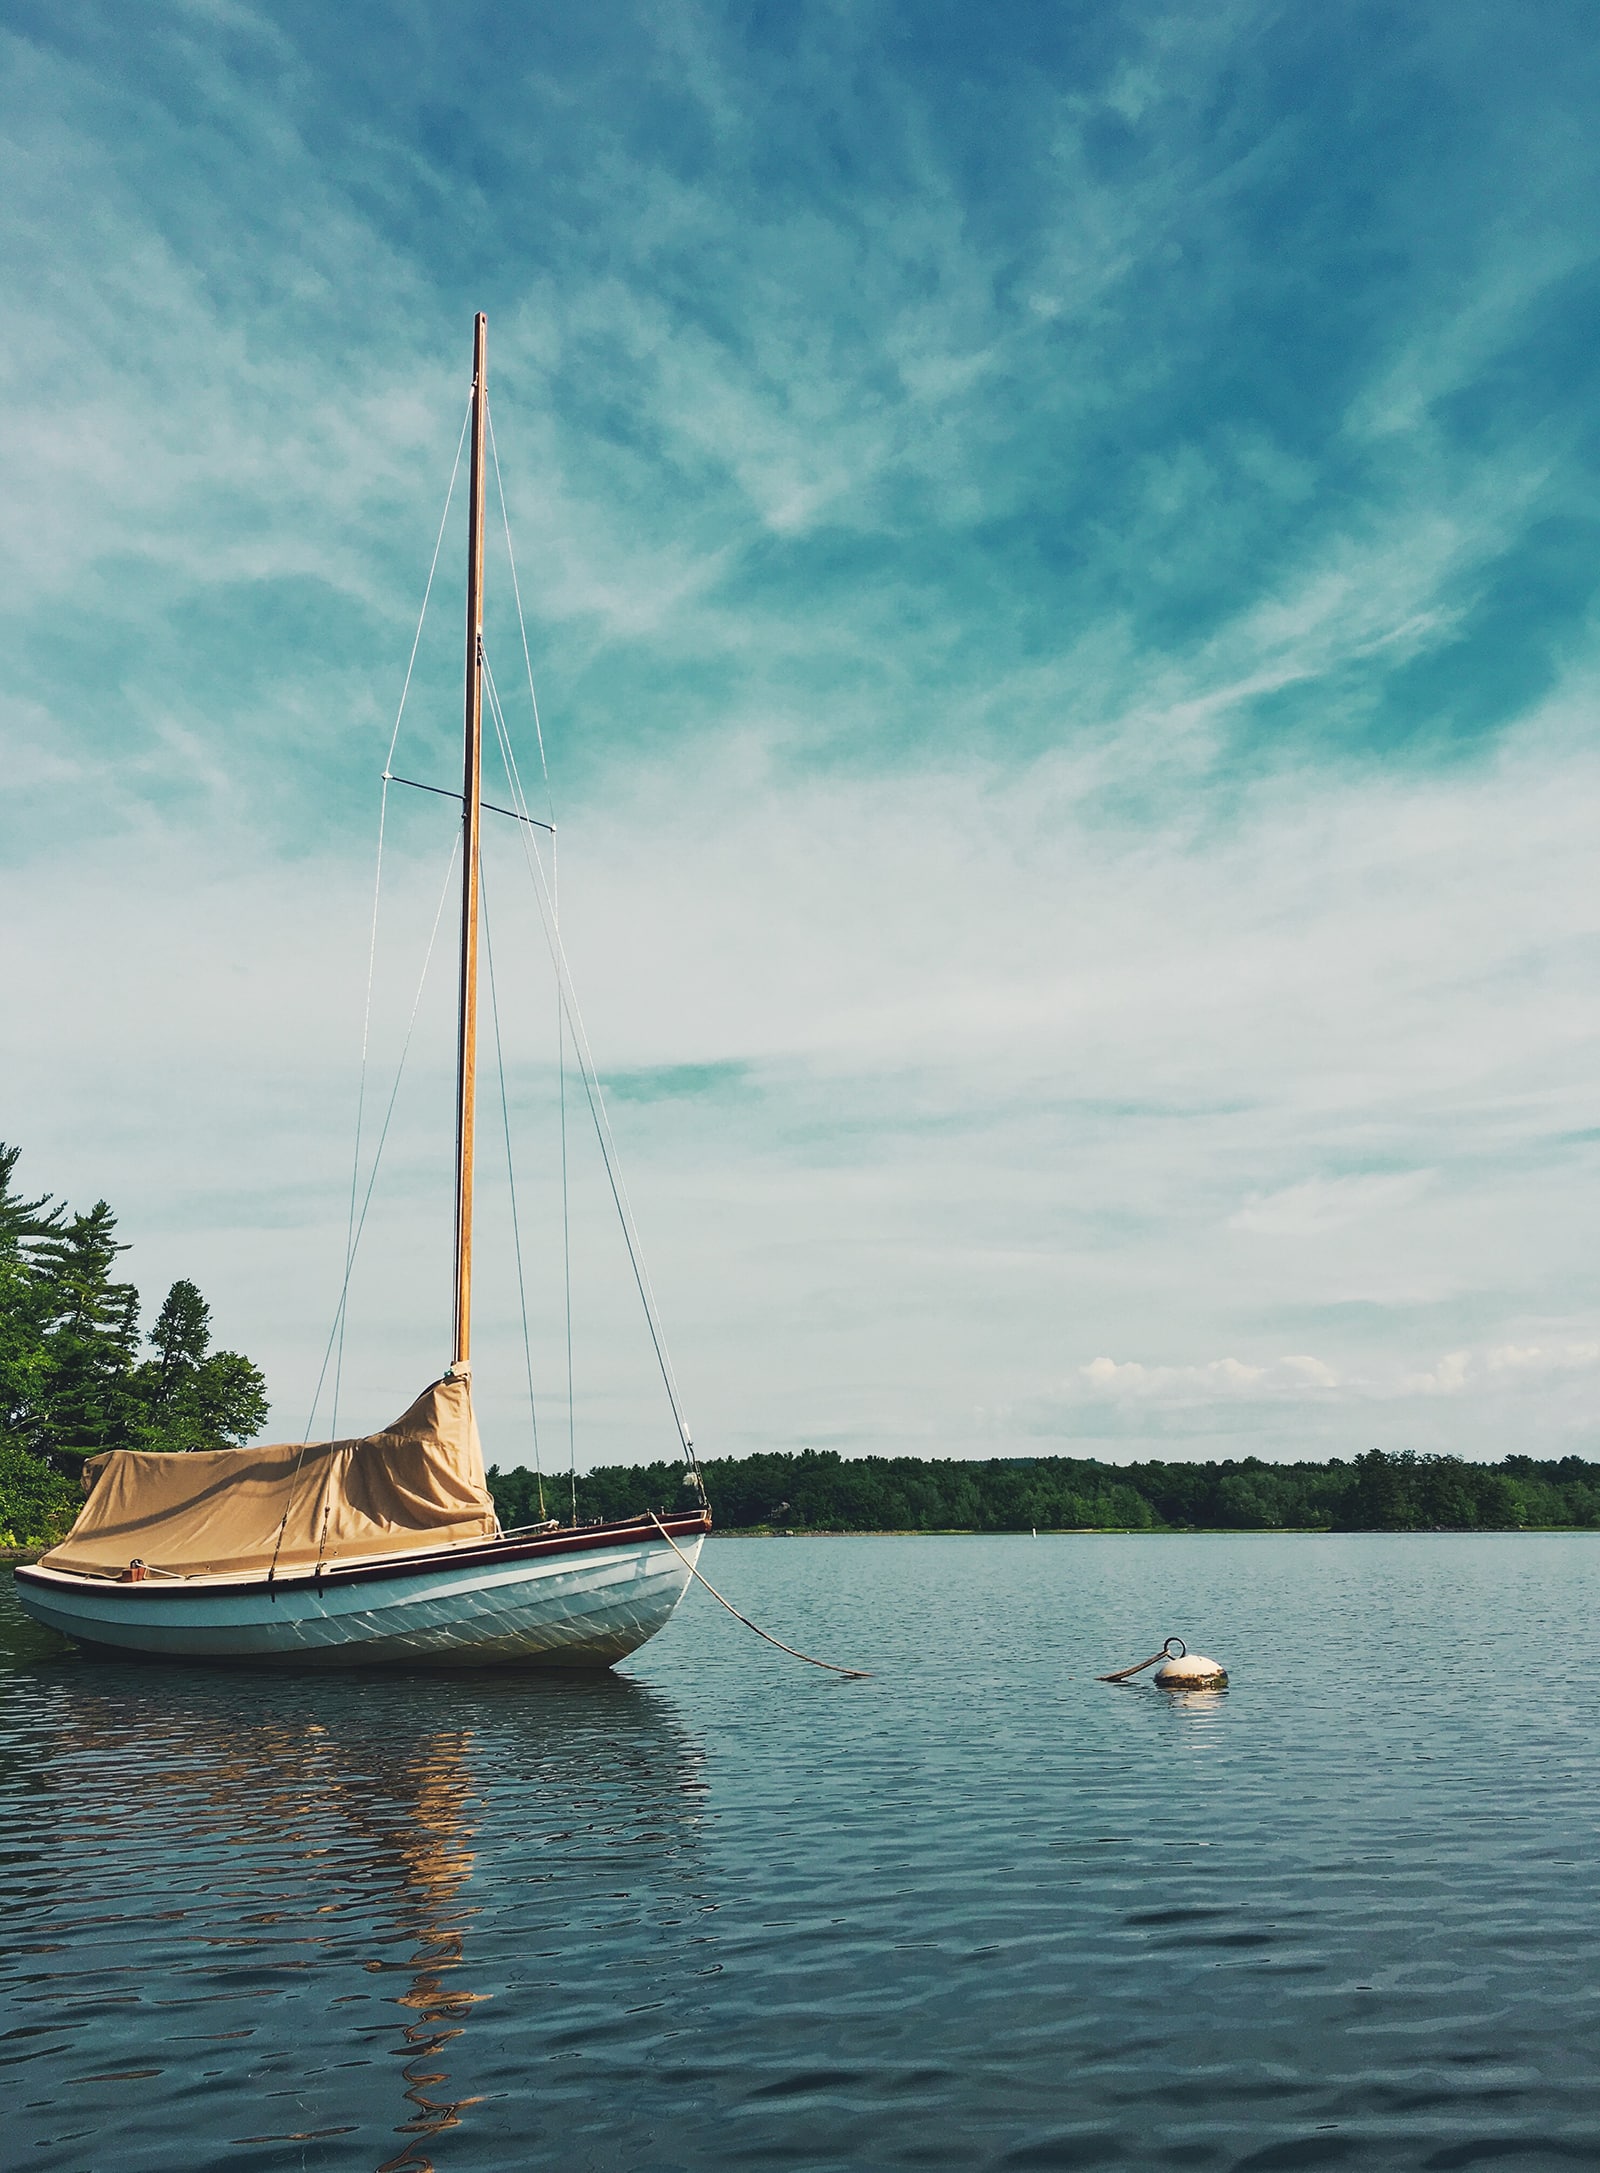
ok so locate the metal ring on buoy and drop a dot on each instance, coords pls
(1182, 1651)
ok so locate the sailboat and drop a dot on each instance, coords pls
(384, 1549)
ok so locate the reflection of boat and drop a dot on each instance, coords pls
(381, 1549)
(244, 1839)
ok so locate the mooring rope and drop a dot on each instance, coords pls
(1166, 1653)
(852, 1674)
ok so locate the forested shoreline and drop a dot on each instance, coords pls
(77, 1375)
(77, 1372)
(820, 1491)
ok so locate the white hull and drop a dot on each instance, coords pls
(555, 1604)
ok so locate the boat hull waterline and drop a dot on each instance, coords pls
(574, 1599)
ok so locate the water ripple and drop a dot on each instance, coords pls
(981, 1911)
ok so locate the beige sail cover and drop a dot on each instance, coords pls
(419, 1483)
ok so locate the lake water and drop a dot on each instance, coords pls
(719, 1910)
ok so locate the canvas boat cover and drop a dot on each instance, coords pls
(419, 1483)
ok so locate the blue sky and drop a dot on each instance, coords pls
(1060, 549)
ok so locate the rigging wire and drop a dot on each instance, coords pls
(511, 1181)
(377, 892)
(522, 626)
(592, 1088)
(566, 1223)
(567, 1014)
(520, 803)
(555, 899)
(372, 1175)
(519, 798)
(594, 1094)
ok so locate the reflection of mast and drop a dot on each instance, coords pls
(333, 1844)
(437, 1867)
(215, 1772)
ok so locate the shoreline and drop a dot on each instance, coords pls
(11, 1557)
(1170, 1531)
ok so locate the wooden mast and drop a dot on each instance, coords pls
(471, 813)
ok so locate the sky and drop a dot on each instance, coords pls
(1059, 551)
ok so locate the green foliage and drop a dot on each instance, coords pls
(1406, 1493)
(92, 1339)
(189, 1400)
(819, 1490)
(26, 1303)
(182, 1333)
(37, 1505)
(72, 1380)
(520, 1498)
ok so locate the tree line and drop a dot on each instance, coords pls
(821, 1491)
(77, 1373)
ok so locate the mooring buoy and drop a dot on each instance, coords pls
(1189, 1671)
(1179, 1670)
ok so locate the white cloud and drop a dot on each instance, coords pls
(1225, 1381)
(1220, 1377)
(1524, 1358)
(1328, 1203)
(1228, 1382)
(1008, 1068)
(1310, 1370)
(1447, 1378)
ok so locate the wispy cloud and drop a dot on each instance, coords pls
(1057, 568)
(1327, 1203)
(1238, 1132)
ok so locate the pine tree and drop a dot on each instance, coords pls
(71, 1378)
(23, 1223)
(182, 1333)
(231, 1395)
(25, 1310)
(93, 1336)
(191, 1400)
